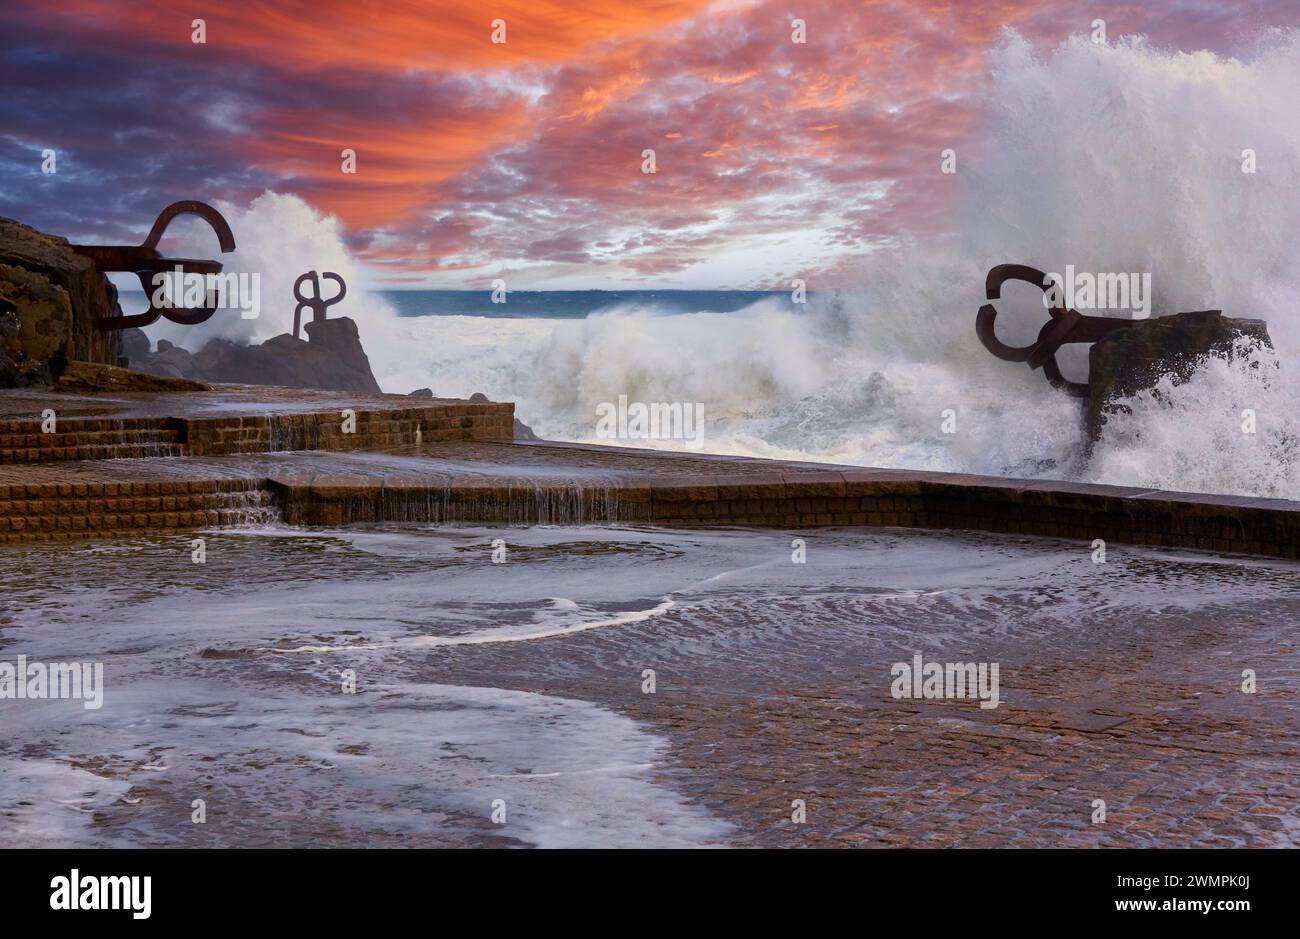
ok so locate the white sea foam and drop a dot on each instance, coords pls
(201, 706)
(1118, 158)
(279, 237)
(1115, 158)
(562, 618)
(396, 761)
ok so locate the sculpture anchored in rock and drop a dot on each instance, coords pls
(1065, 326)
(1127, 356)
(316, 303)
(146, 263)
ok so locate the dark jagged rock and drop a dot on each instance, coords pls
(421, 393)
(169, 360)
(331, 360)
(1135, 358)
(57, 295)
(339, 336)
(15, 368)
(135, 344)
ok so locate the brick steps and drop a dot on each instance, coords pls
(21, 441)
(112, 451)
(88, 439)
(374, 430)
(529, 484)
(87, 425)
(56, 512)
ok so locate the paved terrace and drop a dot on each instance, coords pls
(233, 419)
(495, 481)
(26, 404)
(1175, 769)
(127, 463)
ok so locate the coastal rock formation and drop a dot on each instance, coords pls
(83, 377)
(135, 344)
(50, 298)
(331, 359)
(1136, 357)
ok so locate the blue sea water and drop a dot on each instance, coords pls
(574, 304)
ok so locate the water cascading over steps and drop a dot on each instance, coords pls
(87, 439)
(460, 501)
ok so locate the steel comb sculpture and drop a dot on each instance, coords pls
(145, 262)
(316, 302)
(1064, 326)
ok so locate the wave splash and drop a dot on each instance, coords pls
(1118, 158)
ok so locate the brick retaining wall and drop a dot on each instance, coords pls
(803, 500)
(573, 484)
(78, 438)
(61, 511)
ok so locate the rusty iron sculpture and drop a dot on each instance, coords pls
(145, 262)
(315, 302)
(1065, 326)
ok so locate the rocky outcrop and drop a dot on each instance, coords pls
(54, 298)
(135, 344)
(1137, 357)
(83, 377)
(331, 359)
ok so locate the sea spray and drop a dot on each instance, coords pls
(1119, 157)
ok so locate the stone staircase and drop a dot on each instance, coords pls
(97, 438)
(97, 474)
(55, 512)
(88, 439)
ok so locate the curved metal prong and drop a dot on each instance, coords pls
(1052, 372)
(984, 320)
(225, 237)
(146, 263)
(1064, 326)
(343, 287)
(999, 275)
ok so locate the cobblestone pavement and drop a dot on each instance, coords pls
(931, 777)
(1119, 682)
(1138, 705)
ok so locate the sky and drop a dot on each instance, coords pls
(523, 159)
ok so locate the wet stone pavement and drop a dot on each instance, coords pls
(1147, 715)
(524, 680)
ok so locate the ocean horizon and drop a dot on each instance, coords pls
(555, 304)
